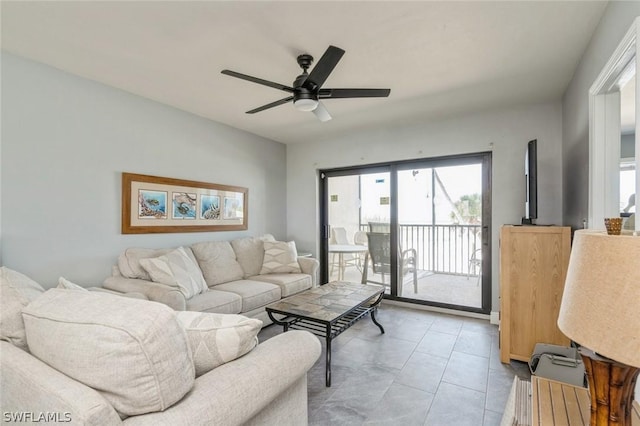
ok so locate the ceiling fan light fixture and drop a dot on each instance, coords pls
(305, 104)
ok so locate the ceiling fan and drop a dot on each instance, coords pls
(307, 88)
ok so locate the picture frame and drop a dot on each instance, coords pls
(153, 204)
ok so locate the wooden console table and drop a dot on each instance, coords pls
(554, 403)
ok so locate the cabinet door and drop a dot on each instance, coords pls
(533, 268)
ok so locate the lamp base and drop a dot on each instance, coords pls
(611, 388)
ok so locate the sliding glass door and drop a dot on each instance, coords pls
(420, 228)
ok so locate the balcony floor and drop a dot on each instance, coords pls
(434, 287)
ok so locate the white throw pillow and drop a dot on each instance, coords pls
(132, 351)
(68, 285)
(16, 292)
(280, 257)
(129, 261)
(177, 270)
(218, 262)
(215, 339)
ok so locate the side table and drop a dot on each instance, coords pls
(554, 403)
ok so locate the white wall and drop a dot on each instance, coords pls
(505, 132)
(628, 145)
(614, 24)
(66, 141)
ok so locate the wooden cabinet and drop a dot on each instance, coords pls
(533, 267)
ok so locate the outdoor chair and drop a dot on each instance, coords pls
(380, 260)
(339, 237)
(475, 262)
(360, 238)
(382, 227)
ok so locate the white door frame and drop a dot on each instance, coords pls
(604, 129)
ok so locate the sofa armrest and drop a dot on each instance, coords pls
(235, 392)
(156, 292)
(130, 294)
(309, 265)
(30, 387)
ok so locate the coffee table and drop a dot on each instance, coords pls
(327, 311)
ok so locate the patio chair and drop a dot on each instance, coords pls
(380, 255)
(360, 238)
(383, 227)
(475, 262)
(339, 236)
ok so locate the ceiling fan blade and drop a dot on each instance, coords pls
(271, 105)
(323, 68)
(353, 93)
(258, 80)
(321, 112)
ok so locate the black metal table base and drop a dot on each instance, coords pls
(329, 330)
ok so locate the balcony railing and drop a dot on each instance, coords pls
(446, 249)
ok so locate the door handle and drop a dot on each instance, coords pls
(325, 231)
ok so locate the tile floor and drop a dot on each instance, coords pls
(427, 369)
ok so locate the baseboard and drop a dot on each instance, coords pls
(435, 309)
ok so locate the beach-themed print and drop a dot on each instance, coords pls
(210, 207)
(184, 205)
(152, 204)
(233, 207)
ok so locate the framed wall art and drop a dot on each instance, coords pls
(152, 204)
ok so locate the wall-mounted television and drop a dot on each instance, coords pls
(531, 183)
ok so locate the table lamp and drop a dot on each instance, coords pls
(600, 311)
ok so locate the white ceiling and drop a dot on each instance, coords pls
(439, 58)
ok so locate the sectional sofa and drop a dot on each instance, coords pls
(75, 356)
(241, 276)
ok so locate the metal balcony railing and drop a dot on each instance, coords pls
(446, 249)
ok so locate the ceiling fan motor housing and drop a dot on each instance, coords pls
(305, 60)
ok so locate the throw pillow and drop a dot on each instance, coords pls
(129, 261)
(215, 339)
(17, 291)
(66, 284)
(249, 254)
(176, 269)
(218, 262)
(280, 257)
(132, 351)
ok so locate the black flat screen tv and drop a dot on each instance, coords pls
(531, 183)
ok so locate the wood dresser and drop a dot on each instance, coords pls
(533, 267)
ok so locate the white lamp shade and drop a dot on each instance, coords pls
(601, 301)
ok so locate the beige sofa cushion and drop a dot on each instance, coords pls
(176, 269)
(213, 300)
(215, 339)
(218, 262)
(16, 292)
(132, 351)
(280, 257)
(250, 253)
(255, 294)
(289, 283)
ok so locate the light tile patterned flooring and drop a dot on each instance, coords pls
(427, 369)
